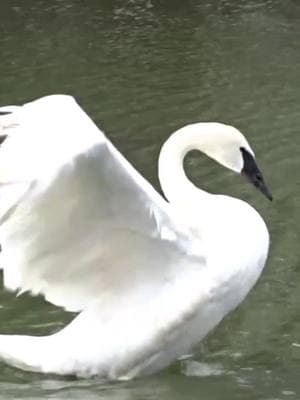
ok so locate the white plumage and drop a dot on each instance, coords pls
(79, 225)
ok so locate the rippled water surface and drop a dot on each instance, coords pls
(141, 69)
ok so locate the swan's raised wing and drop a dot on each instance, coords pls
(77, 220)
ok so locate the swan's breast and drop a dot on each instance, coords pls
(237, 243)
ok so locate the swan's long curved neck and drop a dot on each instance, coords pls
(173, 180)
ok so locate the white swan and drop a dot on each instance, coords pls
(82, 227)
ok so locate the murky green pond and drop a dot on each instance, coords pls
(141, 69)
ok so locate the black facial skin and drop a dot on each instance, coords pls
(253, 174)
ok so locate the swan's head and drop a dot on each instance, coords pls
(228, 146)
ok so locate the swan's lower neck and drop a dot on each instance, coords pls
(173, 180)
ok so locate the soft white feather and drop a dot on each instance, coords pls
(80, 226)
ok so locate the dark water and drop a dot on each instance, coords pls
(142, 69)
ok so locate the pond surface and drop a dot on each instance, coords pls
(141, 69)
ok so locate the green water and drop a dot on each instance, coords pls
(141, 69)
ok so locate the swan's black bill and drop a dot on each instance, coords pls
(253, 174)
(4, 112)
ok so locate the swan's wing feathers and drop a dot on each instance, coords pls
(87, 222)
(36, 140)
(42, 136)
(12, 186)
